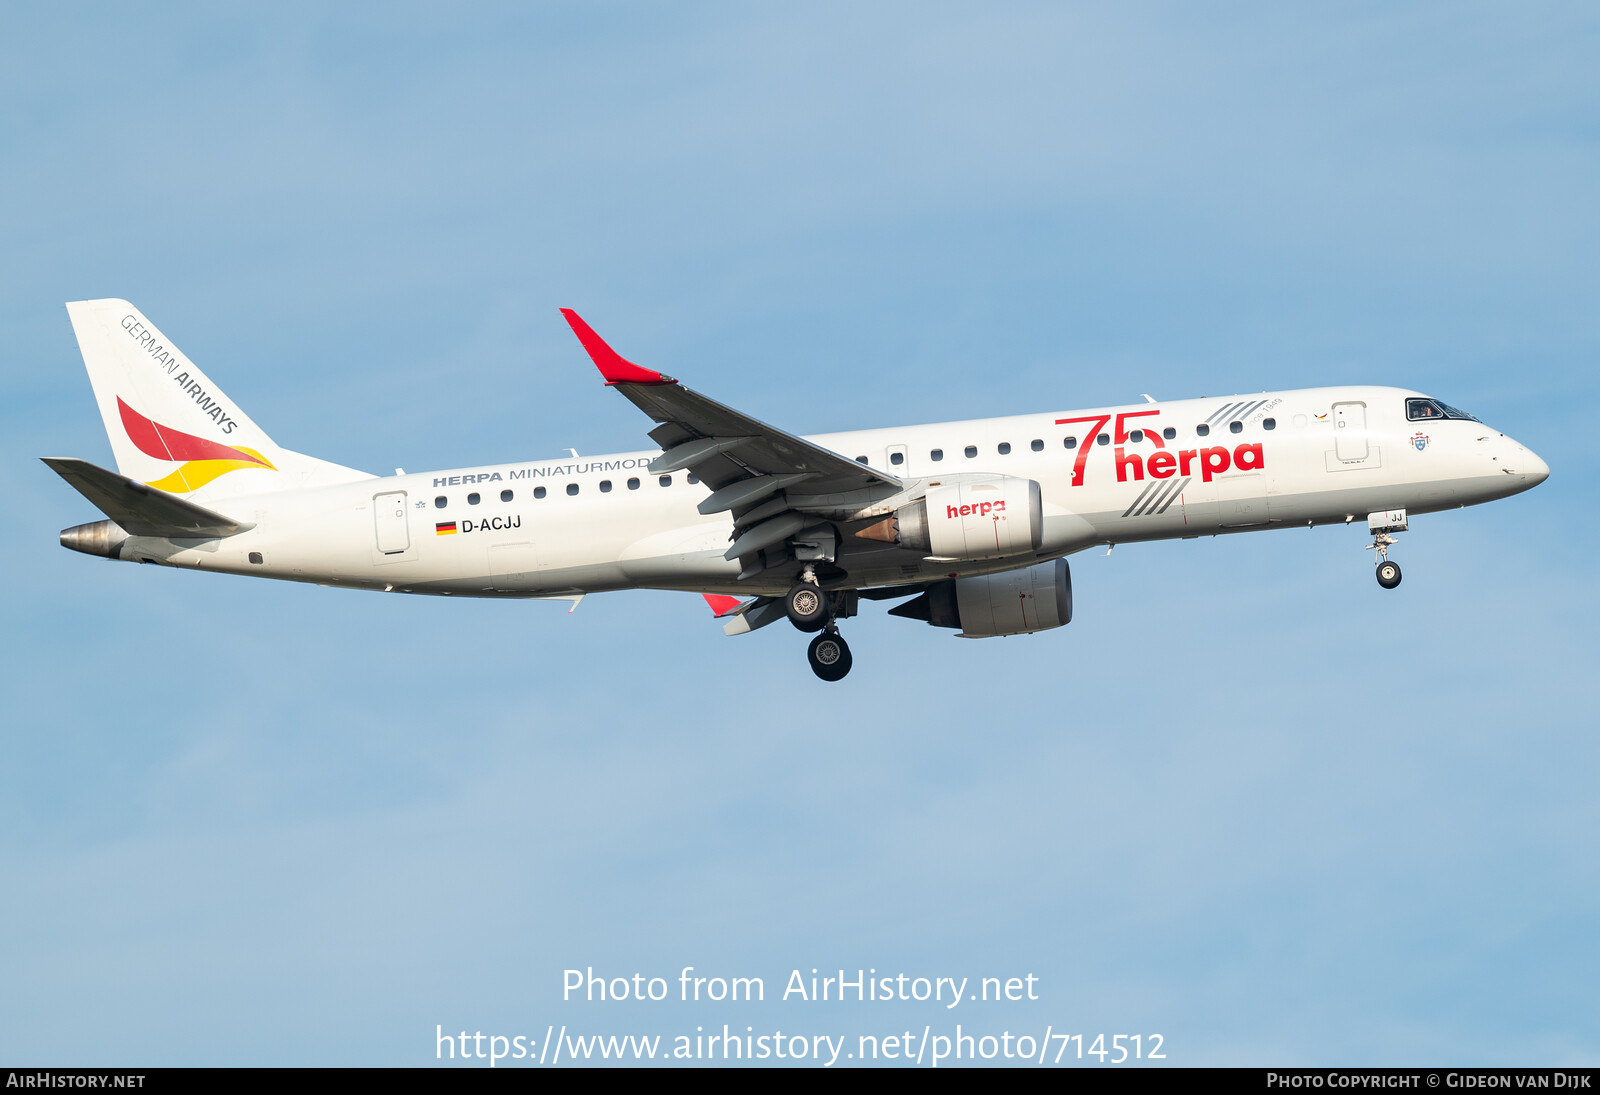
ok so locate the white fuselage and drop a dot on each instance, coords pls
(587, 524)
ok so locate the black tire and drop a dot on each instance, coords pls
(1388, 574)
(807, 607)
(829, 656)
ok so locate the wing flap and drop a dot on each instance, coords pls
(691, 453)
(759, 613)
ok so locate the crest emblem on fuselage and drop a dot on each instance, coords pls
(1420, 440)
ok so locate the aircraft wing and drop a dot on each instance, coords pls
(768, 479)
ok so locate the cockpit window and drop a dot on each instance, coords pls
(1420, 410)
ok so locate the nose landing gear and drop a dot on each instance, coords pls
(1381, 525)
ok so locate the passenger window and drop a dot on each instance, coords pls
(936, 454)
(633, 484)
(538, 492)
(605, 486)
(861, 460)
(1103, 439)
(572, 488)
(505, 496)
(1269, 423)
(439, 502)
(666, 480)
(1169, 433)
(897, 458)
(1070, 442)
(693, 479)
(1236, 427)
(1005, 448)
(971, 451)
(1202, 430)
(474, 498)
(1037, 445)
(1136, 436)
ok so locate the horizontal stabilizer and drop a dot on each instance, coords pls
(143, 510)
(723, 605)
(757, 613)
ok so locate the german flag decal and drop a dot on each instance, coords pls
(445, 528)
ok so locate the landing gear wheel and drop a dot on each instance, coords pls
(1388, 574)
(806, 606)
(829, 656)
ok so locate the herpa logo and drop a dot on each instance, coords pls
(976, 509)
(1208, 462)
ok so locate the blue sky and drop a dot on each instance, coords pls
(1247, 800)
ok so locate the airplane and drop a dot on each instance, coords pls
(968, 523)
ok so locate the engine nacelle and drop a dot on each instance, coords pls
(981, 519)
(1014, 602)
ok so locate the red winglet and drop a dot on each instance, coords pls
(612, 365)
(721, 604)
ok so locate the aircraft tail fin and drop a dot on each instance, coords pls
(170, 426)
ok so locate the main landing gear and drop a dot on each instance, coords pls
(829, 655)
(1381, 525)
(807, 606)
(810, 609)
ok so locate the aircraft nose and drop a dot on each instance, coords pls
(1525, 465)
(1535, 470)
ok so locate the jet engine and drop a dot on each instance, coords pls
(1013, 602)
(980, 519)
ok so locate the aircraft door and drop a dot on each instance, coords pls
(389, 517)
(894, 460)
(1350, 432)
